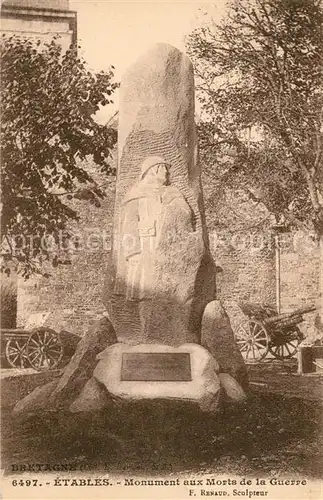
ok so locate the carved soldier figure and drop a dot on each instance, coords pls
(144, 209)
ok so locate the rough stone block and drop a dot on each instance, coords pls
(37, 400)
(81, 366)
(217, 336)
(93, 397)
(232, 389)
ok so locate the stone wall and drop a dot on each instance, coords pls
(72, 297)
(300, 277)
(247, 272)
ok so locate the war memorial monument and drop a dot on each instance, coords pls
(165, 337)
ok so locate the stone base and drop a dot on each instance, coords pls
(203, 389)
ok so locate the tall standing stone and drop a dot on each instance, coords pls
(156, 118)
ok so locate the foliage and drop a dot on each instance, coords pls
(259, 82)
(8, 302)
(48, 98)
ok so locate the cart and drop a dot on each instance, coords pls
(268, 332)
(40, 348)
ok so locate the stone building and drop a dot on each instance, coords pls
(40, 19)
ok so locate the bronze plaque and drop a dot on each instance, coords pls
(156, 367)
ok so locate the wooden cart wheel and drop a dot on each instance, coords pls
(44, 349)
(16, 354)
(253, 341)
(287, 349)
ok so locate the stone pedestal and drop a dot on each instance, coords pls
(196, 382)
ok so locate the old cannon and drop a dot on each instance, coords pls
(268, 332)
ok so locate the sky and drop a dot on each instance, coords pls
(117, 32)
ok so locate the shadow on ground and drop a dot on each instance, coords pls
(269, 435)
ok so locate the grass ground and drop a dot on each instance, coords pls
(269, 435)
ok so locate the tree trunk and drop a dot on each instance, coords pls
(320, 301)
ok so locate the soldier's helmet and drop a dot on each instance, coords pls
(150, 162)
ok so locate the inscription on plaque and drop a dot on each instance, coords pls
(156, 367)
